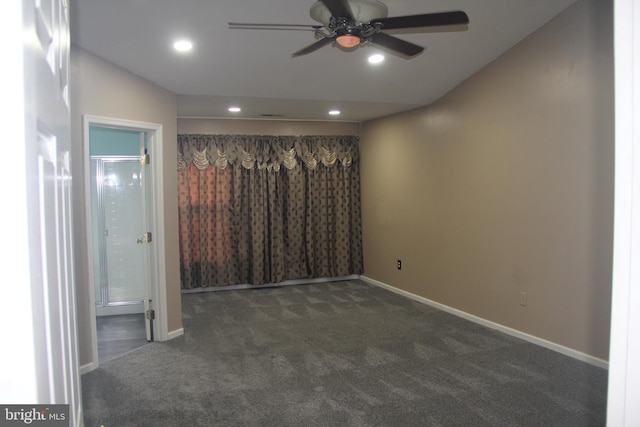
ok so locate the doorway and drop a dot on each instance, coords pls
(118, 207)
(120, 227)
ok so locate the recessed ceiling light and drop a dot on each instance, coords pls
(334, 112)
(235, 109)
(376, 58)
(183, 45)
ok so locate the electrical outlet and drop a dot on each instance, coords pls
(523, 299)
(399, 264)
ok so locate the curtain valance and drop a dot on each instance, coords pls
(266, 152)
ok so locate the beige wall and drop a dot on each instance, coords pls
(265, 127)
(505, 185)
(102, 89)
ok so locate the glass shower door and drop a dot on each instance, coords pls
(118, 199)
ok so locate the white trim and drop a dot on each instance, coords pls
(88, 368)
(89, 241)
(175, 334)
(270, 285)
(509, 331)
(159, 293)
(624, 351)
(79, 417)
(161, 326)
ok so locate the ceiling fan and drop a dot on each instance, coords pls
(353, 23)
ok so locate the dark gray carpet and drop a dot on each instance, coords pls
(339, 354)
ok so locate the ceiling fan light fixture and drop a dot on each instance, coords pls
(348, 40)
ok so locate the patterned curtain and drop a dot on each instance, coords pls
(264, 209)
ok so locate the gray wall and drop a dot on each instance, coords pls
(100, 88)
(505, 185)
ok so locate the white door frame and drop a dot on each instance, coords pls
(624, 353)
(156, 215)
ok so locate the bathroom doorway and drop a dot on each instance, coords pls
(120, 233)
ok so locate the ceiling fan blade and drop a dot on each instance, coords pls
(312, 48)
(258, 26)
(424, 20)
(339, 8)
(397, 45)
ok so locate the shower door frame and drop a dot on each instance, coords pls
(155, 223)
(100, 242)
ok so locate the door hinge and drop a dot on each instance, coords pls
(145, 159)
(151, 314)
(146, 238)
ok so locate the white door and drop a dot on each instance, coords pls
(38, 297)
(623, 409)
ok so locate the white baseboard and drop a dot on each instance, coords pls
(509, 331)
(271, 285)
(92, 366)
(87, 368)
(175, 334)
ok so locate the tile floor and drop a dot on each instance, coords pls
(119, 334)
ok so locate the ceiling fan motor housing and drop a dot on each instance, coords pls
(363, 11)
(353, 23)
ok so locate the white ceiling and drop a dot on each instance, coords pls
(254, 68)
